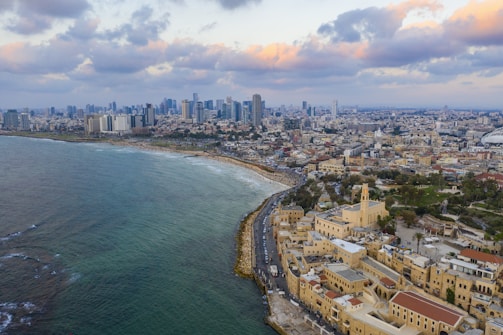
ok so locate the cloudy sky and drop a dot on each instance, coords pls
(421, 53)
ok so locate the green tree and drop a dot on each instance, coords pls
(437, 179)
(389, 201)
(409, 217)
(450, 296)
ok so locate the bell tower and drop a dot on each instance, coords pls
(364, 206)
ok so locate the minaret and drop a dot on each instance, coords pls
(364, 206)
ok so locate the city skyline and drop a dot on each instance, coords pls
(421, 53)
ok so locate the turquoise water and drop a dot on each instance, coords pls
(100, 239)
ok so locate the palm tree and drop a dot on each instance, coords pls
(418, 237)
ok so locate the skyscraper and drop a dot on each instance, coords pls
(185, 109)
(334, 109)
(199, 115)
(24, 121)
(256, 110)
(149, 113)
(11, 119)
(195, 99)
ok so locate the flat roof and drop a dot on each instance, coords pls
(346, 272)
(348, 246)
(464, 264)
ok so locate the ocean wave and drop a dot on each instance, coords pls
(5, 320)
(13, 255)
(9, 236)
(8, 306)
(8, 309)
(126, 150)
(28, 306)
(74, 277)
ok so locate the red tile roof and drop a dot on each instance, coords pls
(481, 256)
(426, 307)
(332, 294)
(354, 301)
(388, 282)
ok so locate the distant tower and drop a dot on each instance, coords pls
(195, 99)
(149, 115)
(256, 110)
(11, 119)
(364, 206)
(199, 115)
(334, 109)
(185, 109)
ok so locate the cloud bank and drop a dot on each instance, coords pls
(369, 51)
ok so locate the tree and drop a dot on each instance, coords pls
(409, 217)
(450, 296)
(418, 237)
(389, 201)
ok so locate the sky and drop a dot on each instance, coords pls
(414, 53)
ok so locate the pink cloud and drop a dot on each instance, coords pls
(478, 23)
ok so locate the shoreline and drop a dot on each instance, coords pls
(245, 247)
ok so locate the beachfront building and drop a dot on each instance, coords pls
(340, 222)
(290, 214)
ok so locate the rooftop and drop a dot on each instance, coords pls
(348, 246)
(345, 271)
(426, 307)
(481, 256)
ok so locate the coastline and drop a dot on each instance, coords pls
(268, 173)
(244, 237)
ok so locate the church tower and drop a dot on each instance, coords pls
(364, 206)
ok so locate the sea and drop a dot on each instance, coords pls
(104, 239)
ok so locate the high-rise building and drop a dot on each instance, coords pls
(24, 121)
(334, 109)
(208, 104)
(92, 123)
(185, 109)
(11, 119)
(256, 110)
(149, 113)
(231, 109)
(236, 111)
(193, 106)
(220, 103)
(199, 115)
(245, 114)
